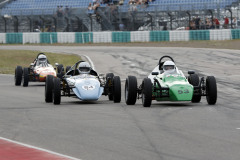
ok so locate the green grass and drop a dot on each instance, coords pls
(9, 59)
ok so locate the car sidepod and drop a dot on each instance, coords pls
(88, 89)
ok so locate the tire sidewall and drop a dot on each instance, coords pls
(147, 92)
(49, 89)
(116, 89)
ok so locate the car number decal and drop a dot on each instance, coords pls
(183, 91)
(88, 87)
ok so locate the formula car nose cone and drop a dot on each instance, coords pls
(180, 92)
(88, 89)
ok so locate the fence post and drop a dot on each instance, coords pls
(5, 24)
(16, 24)
(189, 21)
(231, 17)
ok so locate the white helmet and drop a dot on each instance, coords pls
(169, 67)
(42, 58)
(84, 68)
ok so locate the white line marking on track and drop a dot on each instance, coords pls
(237, 128)
(40, 149)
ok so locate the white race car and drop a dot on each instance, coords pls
(83, 82)
(36, 72)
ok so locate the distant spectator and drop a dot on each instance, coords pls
(226, 22)
(133, 6)
(121, 2)
(90, 8)
(201, 23)
(95, 6)
(132, 2)
(53, 28)
(58, 11)
(121, 27)
(66, 11)
(106, 1)
(49, 29)
(234, 22)
(216, 23)
(197, 23)
(165, 27)
(61, 11)
(192, 25)
(207, 23)
(36, 28)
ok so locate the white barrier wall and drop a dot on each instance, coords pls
(118, 37)
(179, 35)
(66, 37)
(31, 38)
(102, 37)
(223, 34)
(2, 37)
(140, 36)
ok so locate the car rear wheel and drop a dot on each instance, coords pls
(211, 90)
(60, 71)
(109, 80)
(131, 90)
(60, 68)
(116, 89)
(25, 77)
(49, 89)
(68, 68)
(194, 80)
(147, 92)
(18, 75)
(56, 91)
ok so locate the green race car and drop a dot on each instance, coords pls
(168, 83)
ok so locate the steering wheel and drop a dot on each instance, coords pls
(161, 63)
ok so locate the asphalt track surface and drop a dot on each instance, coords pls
(103, 130)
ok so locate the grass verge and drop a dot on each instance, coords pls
(12, 58)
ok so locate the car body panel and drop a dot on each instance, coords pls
(86, 87)
(42, 72)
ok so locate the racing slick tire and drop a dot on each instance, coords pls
(131, 90)
(147, 92)
(194, 80)
(18, 75)
(60, 68)
(25, 77)
(116, 89)
(109, 80)
(60, 75)
(49, 89)
(68, 68)
(56, 91)
(211, 90)
(60, 71)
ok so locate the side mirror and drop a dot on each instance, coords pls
(191, 72)
(32, 64)
(155, 73)
(56, 64)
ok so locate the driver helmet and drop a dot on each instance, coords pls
(84, 68)
(42, 59)
(169, 67)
